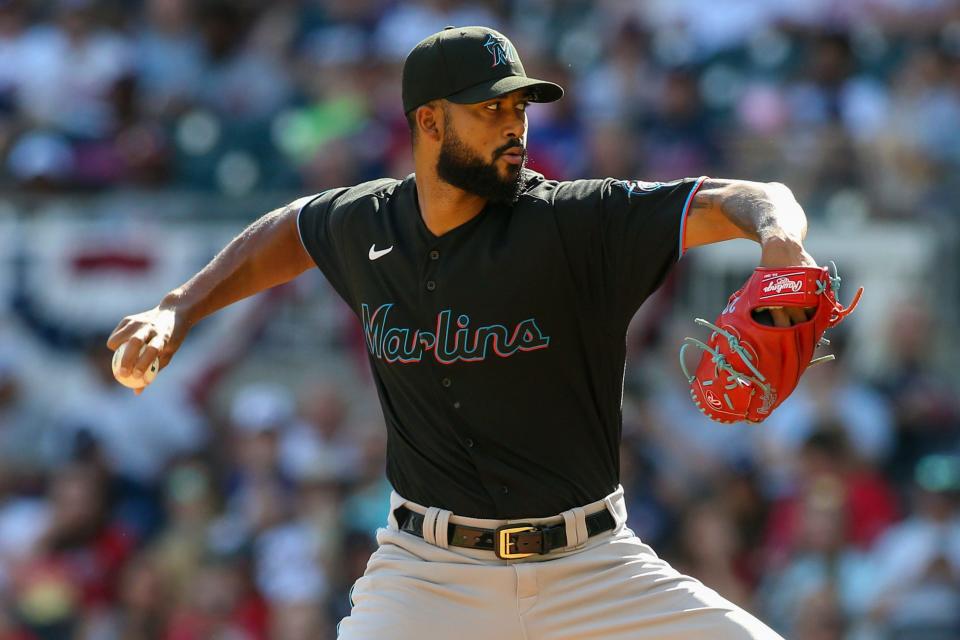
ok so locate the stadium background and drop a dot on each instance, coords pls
(238, 496)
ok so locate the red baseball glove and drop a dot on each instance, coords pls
(749, 368)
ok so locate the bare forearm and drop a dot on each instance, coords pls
(265, 254)
(764, 212)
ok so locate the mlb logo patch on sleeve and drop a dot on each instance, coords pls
(639, 187)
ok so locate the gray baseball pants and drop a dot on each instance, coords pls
(611, 586)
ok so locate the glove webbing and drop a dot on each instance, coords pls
(720, 363)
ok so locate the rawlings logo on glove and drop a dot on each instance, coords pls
(783, 282)
(748, 368)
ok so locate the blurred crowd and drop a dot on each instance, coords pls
(855, 104)
(245, 509)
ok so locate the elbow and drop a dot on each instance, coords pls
(772, 194)
(783, 200)
(779, 190)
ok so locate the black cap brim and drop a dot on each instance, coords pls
(543, 91)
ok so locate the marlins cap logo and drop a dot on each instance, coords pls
(502, 54)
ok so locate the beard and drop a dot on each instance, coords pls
(466, 170)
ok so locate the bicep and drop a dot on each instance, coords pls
(273, 250)
(706, 222)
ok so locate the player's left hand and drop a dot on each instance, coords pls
(782, 253)
(747, 369)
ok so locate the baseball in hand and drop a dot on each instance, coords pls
(130, 381)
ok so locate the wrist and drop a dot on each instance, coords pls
(783, 251)
(780, 241)
(178, 302)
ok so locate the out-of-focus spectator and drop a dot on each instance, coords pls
(191, 507)
(218, 604)
(170, 58)
(357, 547)
(136, 437)
(679, 135)
(713, 27)
(23, 518)
(827, 394)
(869, 502)
(557, 137)
(925, 405)
(709, 550)
(12, 28)
(820, 617)
(239, 81)
(613, 148)
(68, 68)
(405, 24)
(320, 508)
(917, 136)
(625, 84)
(918, 560)
(139, 435)
(819, 98)
(259, 491)
(648, 513)
(368, 500)
(70, 578)
(822, 561)
(292, 580)
(145, 602)
(321, 441)
(25, 434)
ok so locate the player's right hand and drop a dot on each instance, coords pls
(162, 329)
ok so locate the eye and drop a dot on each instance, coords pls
(522, 106)
(493, 106)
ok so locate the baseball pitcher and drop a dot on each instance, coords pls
(494, 303)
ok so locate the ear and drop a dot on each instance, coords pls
(430, 120)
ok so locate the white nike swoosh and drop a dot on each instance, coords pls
(374, 254)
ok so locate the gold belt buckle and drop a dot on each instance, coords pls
(503, 541)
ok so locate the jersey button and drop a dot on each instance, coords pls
(434, 255)
(456, 405)
(431, 285)
(504, 489)
(469, 443)
(446, 382)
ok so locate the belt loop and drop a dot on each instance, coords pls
(576, 523)
(396, 501)
(441, 535)
(616, 507)
(581, 520)
(429, 524)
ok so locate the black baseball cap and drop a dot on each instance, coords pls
(467, 65)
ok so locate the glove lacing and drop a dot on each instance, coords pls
(838, 311)
(720, 363)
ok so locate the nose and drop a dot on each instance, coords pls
(516, 125)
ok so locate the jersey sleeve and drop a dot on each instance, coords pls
(320, 225)
(643, 233)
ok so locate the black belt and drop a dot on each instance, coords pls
(517, 540)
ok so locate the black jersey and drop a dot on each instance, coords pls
(498, 348)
